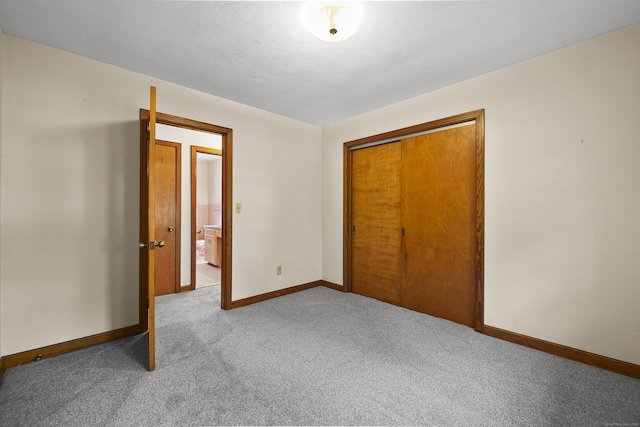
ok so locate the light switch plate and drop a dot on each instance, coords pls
(238, 207)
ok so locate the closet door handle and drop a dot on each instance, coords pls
(170, 228)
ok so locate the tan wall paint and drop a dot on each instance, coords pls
(69, 194)
(562, 200)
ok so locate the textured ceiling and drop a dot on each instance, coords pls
(259, 53)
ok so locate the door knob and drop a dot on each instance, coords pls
(153, 245)
(170, 228)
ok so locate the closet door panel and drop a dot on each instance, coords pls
(376, 269)
(439, 217)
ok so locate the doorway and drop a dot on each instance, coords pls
(414, 218)
(226, 135)
(206, 214)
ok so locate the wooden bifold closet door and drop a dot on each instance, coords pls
(414, 223)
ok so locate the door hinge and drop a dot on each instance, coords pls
(147, 303)
(403, 231)
(353, 228)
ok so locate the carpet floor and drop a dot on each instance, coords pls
(318, 357)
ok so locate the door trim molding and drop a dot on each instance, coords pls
(348, 147)
(227, 198)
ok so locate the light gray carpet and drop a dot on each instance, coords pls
(313, 358)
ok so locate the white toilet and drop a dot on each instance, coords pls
(200, 247)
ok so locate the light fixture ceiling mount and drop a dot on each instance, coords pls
(332, 21)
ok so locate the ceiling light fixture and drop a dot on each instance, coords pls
(332, 21)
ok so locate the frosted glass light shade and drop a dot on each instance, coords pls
(332, 21)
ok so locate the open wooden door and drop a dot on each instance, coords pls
(148, 243)
(152, 226)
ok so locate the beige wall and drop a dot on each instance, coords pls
(70, 194)
(562, 180)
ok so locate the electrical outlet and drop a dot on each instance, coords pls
(238, 207)
(279, 270)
